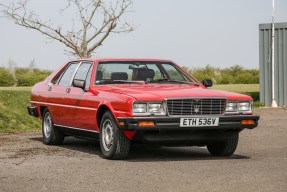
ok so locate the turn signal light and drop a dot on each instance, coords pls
(247, 122)
(146, 123)
(121, 123)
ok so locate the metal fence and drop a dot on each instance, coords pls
(265, 32)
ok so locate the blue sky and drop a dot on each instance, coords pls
(191, 33)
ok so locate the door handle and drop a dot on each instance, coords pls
(68, 90)
(50, 86)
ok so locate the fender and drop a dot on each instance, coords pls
(128, 133)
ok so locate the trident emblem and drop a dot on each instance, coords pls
(196, 108)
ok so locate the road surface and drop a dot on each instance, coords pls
(259, 164)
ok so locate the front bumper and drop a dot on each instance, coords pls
(32, 111)
(173, 123)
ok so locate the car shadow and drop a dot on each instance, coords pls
(76, 144)
(146, 153)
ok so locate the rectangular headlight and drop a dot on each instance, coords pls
(149, 108)
(238, 107)
(139, 108)
(231, 107)
(244, 106)
(155, 108)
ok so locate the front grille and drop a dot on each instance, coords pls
(194, 106)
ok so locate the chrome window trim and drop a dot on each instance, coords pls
(76, 70)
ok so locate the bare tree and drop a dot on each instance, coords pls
(12, 65)
(97, 19)
(32, 66)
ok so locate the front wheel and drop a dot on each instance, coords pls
(51, 135)
(224, 149)
(114, 144)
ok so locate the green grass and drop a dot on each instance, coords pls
(16, 88)
(13, 112)
(239, 88)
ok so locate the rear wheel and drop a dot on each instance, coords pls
(114, 144)
(224, 149)
(51, 135)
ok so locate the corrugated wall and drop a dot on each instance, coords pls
(280, 88)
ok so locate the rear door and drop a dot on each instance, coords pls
(60, 102)
(72, 106)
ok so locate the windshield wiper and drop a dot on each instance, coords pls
(117, 82)
(168, 80)
(126, 81)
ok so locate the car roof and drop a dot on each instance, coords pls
(122, 59)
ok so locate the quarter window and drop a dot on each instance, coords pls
(68, 74)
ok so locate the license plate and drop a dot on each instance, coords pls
(199, 122)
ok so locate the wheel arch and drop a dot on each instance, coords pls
(101, 111)
(42, 109)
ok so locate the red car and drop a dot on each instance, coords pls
(125, 101)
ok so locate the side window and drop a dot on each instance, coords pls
(68, 74)
(84, 73)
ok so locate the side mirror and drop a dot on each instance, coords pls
(79, 83)
(207, 82)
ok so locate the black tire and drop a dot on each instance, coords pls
(51, 135)
(114, 144)
(224, 149)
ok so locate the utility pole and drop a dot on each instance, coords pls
(274, 104)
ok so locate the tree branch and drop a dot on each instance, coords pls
(90, 50)
(98, 21)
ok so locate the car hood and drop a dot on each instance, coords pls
(165, 91)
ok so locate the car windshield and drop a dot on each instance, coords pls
(115, 72)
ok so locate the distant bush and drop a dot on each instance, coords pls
(6, 78)
(22, 76)
(27, 77)
(254, 95)
(232, 75)
(258, 104)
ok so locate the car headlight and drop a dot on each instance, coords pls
(149, 108)
(238, 107)
(231, 107)
(244, 106)
(139, 108)
(155, 108)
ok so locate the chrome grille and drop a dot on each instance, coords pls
(194, 106)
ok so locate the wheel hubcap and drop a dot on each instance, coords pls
(47, 125)
(107, 135)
